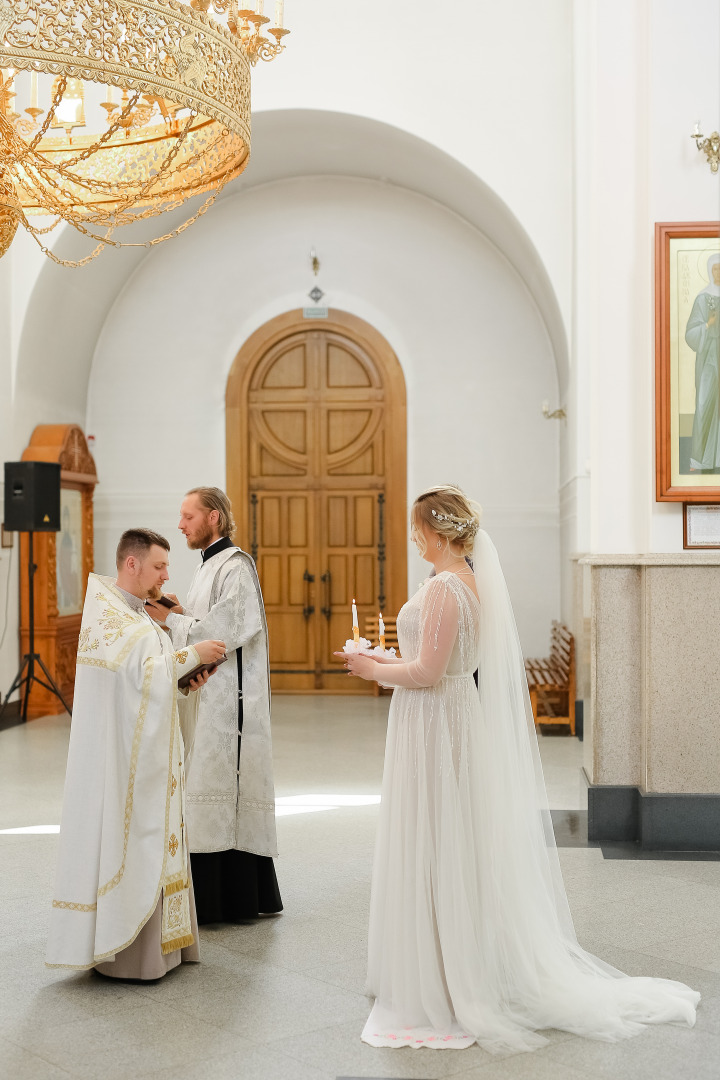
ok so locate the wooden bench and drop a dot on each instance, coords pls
(551, 681)
(371, 632)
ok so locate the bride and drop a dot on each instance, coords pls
(471, 938)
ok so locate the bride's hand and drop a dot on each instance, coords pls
(362, 666)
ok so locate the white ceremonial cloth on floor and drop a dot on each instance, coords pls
(226, 810)
(122, 839)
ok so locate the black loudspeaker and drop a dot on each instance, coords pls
(32, 496)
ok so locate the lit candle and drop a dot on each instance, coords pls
(33, 89)
(279, 12)
(381, 631)
(356, 625)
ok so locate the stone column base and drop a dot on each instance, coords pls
(659, 822)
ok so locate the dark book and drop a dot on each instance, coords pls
(184, 680)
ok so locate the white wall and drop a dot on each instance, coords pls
(473, 347)
(488, 83)
(682, 187)
(645, 72)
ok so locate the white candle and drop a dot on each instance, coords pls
(112, 95)
(381, 631)
(356, 625)
(697, 129)
(260, 7)
(33, 89)
(279, 12)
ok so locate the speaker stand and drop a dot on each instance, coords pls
(26, 675)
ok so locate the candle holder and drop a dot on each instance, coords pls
(711, 147)
(365, 648)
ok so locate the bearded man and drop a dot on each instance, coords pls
(124, 899)
(231, 796)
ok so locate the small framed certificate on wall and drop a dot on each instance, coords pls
(701, 525)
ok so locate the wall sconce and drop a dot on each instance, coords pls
(556, 414)
(711, 146)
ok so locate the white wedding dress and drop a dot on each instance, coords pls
(471, 938)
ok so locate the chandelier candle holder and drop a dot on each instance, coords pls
(710, 146)
(115, 111)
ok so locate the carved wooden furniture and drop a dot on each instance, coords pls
(372, 633)
(316, 469)
(551, 681)
(63, 561)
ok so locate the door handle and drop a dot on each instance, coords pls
(326, 580)
(309, 609)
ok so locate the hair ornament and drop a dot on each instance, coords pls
(459, 524)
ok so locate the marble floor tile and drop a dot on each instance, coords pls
(698, 950)
(665, 1052)
(300, 943)
(17, 1063)
(526, 1067)
(261, 1002)
(249, 1063)
(708, 1017)
(633, 962)
(350, 974)
(119, 1046)
(282, 997)
(340, 1049)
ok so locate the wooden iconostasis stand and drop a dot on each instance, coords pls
(63, 562)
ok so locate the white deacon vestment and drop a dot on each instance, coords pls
(230, 808)
(122, 842)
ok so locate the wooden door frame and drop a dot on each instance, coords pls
(236, 430)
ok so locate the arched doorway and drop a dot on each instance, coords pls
(316, 468)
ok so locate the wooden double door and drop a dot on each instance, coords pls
(316, 462)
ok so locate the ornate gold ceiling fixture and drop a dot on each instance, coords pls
(114, 111)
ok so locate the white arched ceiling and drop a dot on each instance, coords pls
(473, 347)
(68, 308)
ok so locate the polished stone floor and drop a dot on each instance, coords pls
(282, 998)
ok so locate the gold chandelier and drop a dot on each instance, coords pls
(114, 111)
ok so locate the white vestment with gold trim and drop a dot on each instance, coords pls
(122, 838)
(227, 807)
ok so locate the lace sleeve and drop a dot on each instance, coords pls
(438, 632)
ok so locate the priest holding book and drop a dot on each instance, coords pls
(231, 795)
(123, 901)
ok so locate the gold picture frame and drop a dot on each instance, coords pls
(687, 362)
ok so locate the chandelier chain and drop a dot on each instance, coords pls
(181, 128)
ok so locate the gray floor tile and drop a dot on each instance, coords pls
(283, 997)
(123, 1046)
(341, 1049)
(260, 1001)
(661, 1053)
(250, 1063)
(17, 1063)
(533, 1066)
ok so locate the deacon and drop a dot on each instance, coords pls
(123, 896)
(231, 796)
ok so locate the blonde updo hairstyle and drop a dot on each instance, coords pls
(449, 513)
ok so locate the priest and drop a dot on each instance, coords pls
(231, 796)
(123, 899)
